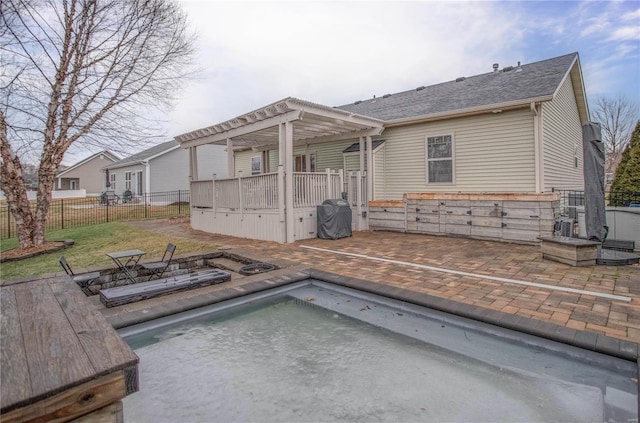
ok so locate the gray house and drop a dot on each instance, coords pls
(478, 155)
(164, 168)
(87, 174)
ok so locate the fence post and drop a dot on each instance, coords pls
(62, 212)
(146, 202)
(179, 203)
(8, 222)
(241, 198)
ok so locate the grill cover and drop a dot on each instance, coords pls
(334, 219)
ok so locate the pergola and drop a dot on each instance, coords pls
(284, 124)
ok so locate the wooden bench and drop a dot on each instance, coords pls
(126, 294)
(571, 251)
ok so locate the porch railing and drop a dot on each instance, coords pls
(260, 192)
(202, 193)
(356, 188)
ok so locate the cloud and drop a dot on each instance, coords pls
(625, 33)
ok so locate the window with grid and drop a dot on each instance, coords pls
(112, 178)
(439, 159)
(127, 181)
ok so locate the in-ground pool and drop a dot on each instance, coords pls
(313, 351)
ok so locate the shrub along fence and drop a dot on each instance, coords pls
(74, 212)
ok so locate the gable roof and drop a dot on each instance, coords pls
(536, 81)
(355, 147)
(145, 155)
(106, 153)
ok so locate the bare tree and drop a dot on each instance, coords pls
(617, 118)
(80, 71)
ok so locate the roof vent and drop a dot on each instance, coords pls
(420, 88)
(358, 102)
(462, 78)
(495, 67)
(386, 96)
(507, 69)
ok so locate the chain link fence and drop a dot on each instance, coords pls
(74, 212)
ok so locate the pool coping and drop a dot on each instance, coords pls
(588, 340)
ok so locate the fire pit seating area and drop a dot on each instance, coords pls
(183, 273)
(126, 294)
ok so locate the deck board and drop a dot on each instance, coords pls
(104, 348)
(14, 380)
(49, 341)
(60, 358)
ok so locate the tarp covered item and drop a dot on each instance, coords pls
(594, 203)
(334, 219)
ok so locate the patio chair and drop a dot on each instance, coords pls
(83, 280)
(158, 268)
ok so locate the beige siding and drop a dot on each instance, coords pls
(89, 175)
(562, 133)
(493, 153)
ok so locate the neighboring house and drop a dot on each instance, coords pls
(507, 138)
(163, 168)
(86, 174)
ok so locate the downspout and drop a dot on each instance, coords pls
(537, 147)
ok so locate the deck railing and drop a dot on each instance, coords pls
(202, 193)
(260, 192)
(356, 188)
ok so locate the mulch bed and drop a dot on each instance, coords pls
(15, 254)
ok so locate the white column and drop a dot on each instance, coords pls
(361, 145)
(147, 181)
(369, 171)
(193, 164)
(231, 166)
(288, 182)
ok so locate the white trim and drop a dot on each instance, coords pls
(427, 159)
(478, 276)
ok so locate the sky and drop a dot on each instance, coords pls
(251, 54)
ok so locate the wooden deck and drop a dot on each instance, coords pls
(60, 358)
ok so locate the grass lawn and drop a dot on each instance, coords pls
(91, 245)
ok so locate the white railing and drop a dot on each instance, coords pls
(202, 193)
(227, 193)
(311, 189)
(356, 188)
(260, 192)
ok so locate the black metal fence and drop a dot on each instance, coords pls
(73, 212)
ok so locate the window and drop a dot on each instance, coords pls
(127, 181)
(305, 162)
(439, 159)
(112, 180)
(138, 189)
(256, 165)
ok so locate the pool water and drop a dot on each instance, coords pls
(301, 357)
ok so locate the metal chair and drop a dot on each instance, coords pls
(158, 268)
(83, 280)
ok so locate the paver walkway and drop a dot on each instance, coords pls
(620, 319)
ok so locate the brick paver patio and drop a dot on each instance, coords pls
(616, 318)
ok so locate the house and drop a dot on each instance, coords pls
(164, 168)
(86, 174)
(478, 156)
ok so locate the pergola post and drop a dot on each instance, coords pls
(288, 181)
(193, 164)
(231, 167)
(361, 145)
(369, 171)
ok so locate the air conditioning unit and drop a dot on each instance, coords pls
(564, 227)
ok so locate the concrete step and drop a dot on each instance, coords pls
(225, 264)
